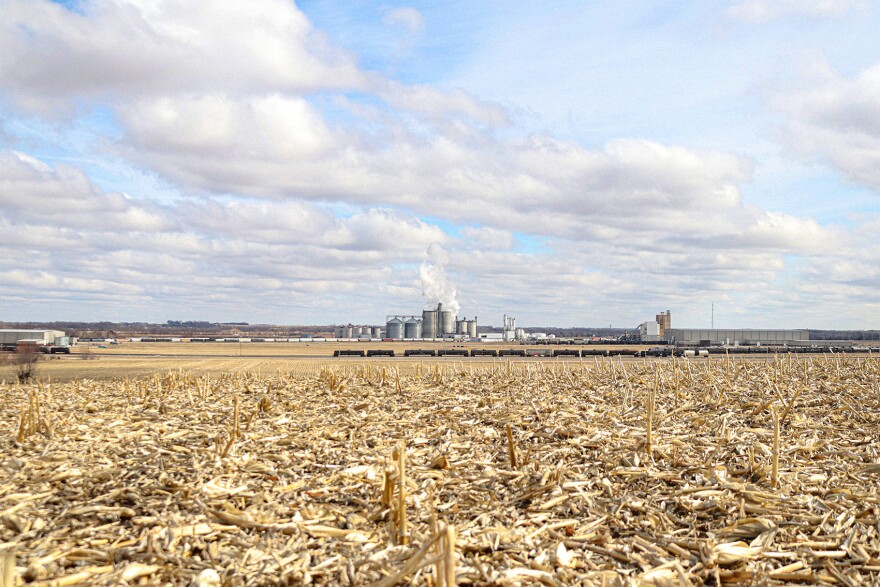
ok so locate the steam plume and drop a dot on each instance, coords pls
(436, 287)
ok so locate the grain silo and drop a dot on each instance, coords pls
(347, 331)
(394, 328)
(472, 328)
(429, 324)
(412, 328)
(377, 332)
(447, 323)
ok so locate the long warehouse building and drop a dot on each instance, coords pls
(737, 336)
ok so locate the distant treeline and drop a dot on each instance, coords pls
(186, 328)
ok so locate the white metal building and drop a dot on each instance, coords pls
(9, 336)
(49, 337)
(649, 330)
(734, 337)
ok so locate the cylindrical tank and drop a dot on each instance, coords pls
(447, 322)
(429, 324)
(394, 328)
(347, 331)
(520, 333)
(377, 332)
(356, 331)
(412, 328)
(461, 326)
(337, 332)
(472, 328)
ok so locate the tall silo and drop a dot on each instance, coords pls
(377, 332)
(394, 328)
(412, 328)
(347, 331)
(461, 326)
(337, 332)
(447, 323)
(356, 331)
(429, 324)
(472, 328)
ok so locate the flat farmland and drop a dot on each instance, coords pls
(291, 349)
(89, 361)
(603, 472)
(144, 359)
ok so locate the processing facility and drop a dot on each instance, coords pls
(432, 323)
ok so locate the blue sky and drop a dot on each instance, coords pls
(569, 164)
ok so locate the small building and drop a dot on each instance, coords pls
(650, 331)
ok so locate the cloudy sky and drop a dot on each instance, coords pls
(569, 163)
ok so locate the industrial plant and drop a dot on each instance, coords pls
(660, 330)
(433, 323)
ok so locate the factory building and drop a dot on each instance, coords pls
(654, 330)
(9, 338)
(708, 336)
(433, 323)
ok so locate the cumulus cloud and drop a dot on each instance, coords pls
(64, 236)
(837, 119)
(31, 191)
(49, 54)
(760, 11)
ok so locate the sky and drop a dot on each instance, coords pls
(569, 163)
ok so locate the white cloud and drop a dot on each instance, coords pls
(30, 190)
(760, 11)
(838, 120)
(48, 54)
(408, 18)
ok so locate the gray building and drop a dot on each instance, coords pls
(735, 336)
(9, 337)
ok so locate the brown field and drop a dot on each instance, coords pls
(287, 349)
(88, 361)
(606, 472)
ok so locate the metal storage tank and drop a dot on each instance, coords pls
(412, 328)
(520, 333)
(377, 332)
(346, 331)
(394, 328)
(337, 332)
(429, 324)
(461, 327)
(472, 328)
(447, 322)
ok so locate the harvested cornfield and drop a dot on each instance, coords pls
(589, 473)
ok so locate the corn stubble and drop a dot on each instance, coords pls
(598, 472)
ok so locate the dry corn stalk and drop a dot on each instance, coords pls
(774, 474)
(33, 418)
(402, 524)
(233, 431)
(7, 566)
(511, 447)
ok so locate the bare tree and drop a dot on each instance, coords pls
(24, 362)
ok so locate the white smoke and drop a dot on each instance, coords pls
(436, 287)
